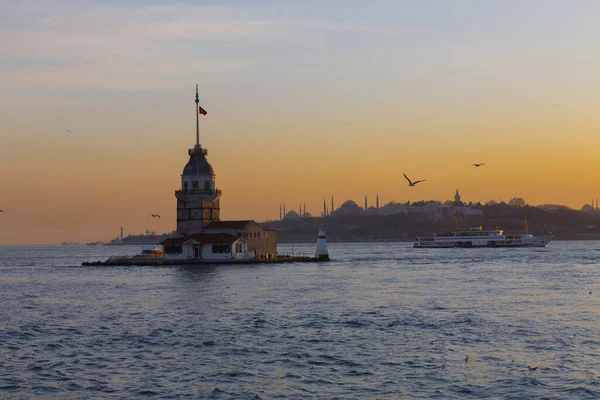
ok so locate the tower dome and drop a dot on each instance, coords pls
(198, 164)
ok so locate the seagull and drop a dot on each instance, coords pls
(410, 183)
(68, 130)
(477, 165)
(155, 216)
(532, 368)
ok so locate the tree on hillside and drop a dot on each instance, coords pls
(553, 207)
(491, 203)
(517, 202)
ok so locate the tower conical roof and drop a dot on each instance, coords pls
(198, 164)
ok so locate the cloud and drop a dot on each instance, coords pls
(109, 46)
(119, 47)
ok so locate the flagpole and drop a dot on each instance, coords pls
(197, 121)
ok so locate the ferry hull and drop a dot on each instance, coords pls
(541, 241)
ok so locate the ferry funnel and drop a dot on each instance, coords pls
(322, 253)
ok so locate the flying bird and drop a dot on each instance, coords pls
(477, 165)
(532, 368)
(3, 211)
(68, 130)
(155, 216)
(410, 183)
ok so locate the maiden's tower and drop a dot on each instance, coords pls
(201, 235)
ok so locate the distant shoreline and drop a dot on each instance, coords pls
(555, 239)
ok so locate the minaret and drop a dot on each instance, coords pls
(457, 197)
(324, 207)
(284, 210)
(280, 212)
(198, 198)
(304, 212)
(366, 204)
(332, 208)
(377, 201)
(121, 234)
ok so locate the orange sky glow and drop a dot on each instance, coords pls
(295, 113)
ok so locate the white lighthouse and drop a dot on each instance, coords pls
(321, 252)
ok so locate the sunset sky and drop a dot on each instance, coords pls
(305, 99)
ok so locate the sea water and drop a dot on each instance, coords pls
(380, 321)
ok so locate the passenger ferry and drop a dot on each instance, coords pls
(477, 237)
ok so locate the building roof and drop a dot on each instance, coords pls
(198, 165)
(225, 225)
(169, 241)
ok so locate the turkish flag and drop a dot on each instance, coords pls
(201, 110)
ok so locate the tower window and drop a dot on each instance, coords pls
(195, 185)
(206, 185)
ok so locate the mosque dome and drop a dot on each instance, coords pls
(348, 207)
(292, 215)
(198, 164)
(587, 208)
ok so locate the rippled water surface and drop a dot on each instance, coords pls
(380, 321)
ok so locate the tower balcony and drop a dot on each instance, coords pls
(197, 191)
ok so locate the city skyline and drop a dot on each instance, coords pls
(302, 99)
